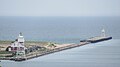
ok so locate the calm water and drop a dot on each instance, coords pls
(58, 29)
(66, 30)
(104, 54)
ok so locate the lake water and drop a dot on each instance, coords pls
(104, 54)
(66, 30)
(58, 29)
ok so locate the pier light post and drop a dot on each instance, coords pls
(103, 33)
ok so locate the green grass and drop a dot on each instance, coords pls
(5, 42)
(8, 42)
(5, 52)
(26, 42)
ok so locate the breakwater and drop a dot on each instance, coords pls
(56, 49)
(38, 54)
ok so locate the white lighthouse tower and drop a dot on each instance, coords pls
(103, 33)
(21, 38)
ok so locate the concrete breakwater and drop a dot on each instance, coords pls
(68, 46)
(54, 48)
(39, 53)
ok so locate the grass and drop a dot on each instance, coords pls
(5, 42)
(8, 42)
(5, 52)
(35, 42)
(26, 42)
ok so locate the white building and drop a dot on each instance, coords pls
(18, 45)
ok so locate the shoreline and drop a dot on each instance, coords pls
(48, 49)
(39, 54)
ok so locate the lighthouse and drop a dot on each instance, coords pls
(18, 45)
(21, 38)
(103, 33)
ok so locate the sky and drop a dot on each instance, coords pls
(59, 7)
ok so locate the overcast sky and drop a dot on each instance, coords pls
(59, 7)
